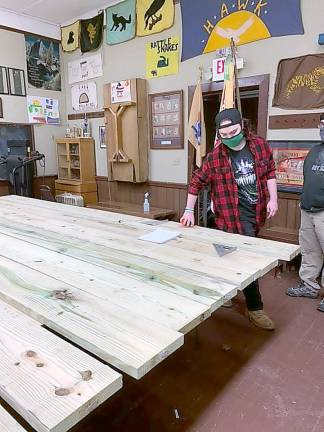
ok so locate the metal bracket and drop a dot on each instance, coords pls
(223, 249)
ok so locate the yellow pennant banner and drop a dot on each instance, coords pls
(154, 16)
(162, 57)
(70, 36)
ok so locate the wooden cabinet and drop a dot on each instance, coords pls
(76, 168)
(285, 225)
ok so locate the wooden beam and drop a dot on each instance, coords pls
(50, 383)
(259, 246)
(294, 121)
(91, 114)
(8, 423)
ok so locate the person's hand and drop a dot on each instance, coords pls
(188, 219)
(272, 208)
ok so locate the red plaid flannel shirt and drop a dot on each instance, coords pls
(217, 171)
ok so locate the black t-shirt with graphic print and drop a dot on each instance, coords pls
(244, 174)
(312, 198)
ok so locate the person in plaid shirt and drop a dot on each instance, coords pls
(241, 173)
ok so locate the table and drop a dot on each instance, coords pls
(129, 302)
(133, 209)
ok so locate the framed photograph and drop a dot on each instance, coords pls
(17, 85)
(166, 120)
(289, 157)
(102, 137)
(4, 88)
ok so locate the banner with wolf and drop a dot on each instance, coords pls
(121, 22)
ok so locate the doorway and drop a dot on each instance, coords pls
(254, 92)
(249, 103)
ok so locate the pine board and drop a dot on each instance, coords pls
(8, 423)
(119, 336)
(270, 248)
(239, 268)
(49, 382)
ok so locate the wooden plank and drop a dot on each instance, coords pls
(267, 248)
(278, 250)
(239, 268)
(132, 209)
(110, 285)
(49, 382)
(120, 337)
(195, 281)
(193, 285)
(8, 423)
(294, 121)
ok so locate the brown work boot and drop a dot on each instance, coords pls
(260, 319)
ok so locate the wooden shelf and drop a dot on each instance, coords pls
(77, 171)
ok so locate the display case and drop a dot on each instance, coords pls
(76, 167)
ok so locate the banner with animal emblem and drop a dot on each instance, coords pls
(43, 63)
(210, 25)
(121, 22)
(162, 57)
(154, 16)
(300, 83)
(91, 32)
(70, 36)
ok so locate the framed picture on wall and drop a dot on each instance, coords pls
(166, 120)
(102, 136)
(4, 88)
(289, 157)
(17, 85)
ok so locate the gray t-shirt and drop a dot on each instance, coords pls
(312, 198)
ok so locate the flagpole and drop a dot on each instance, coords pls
(201, 69)
(237, 88)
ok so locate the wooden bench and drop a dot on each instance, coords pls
(8, 423)
(49, 382)
(133, 209)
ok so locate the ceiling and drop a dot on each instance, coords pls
(57, 11)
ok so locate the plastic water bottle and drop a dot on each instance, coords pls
(146, 205)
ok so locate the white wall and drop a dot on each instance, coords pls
(12, 54)
(127, 60)
(28, 24)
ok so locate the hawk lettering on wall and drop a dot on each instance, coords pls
(209, 25)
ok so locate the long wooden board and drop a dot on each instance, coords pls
(49, 382)
(278, 250)
(119, 336)
(106, 285)
(243, 267)
(8, 423)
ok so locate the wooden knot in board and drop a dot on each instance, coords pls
(61, 391)
(86, 375)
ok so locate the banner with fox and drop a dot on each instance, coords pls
(121, 22)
